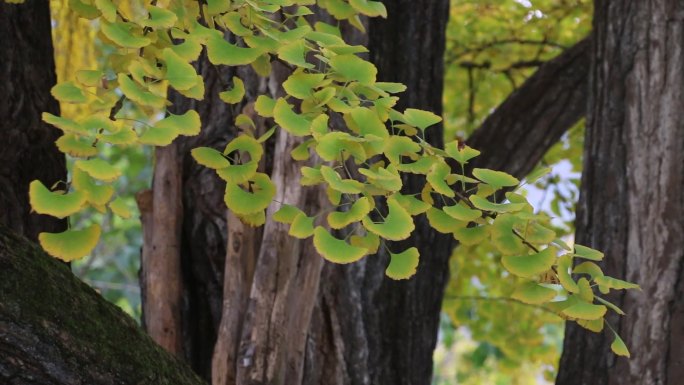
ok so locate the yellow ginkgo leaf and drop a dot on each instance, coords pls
(57, 204)
(336, 250)
(404, 264)
(71, 244)
(397, 226)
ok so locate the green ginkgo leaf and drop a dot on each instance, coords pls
(461, 153)
(302, 226)
(610, 305)
(155, 136)
(196, 92)
(370, 242)
(585, 310)
(495, 179)
(339, 9)
(346, 186)
(255, 219)
(295, 54)
(590, 268)
(121, 34)
(462, 212)
(215, 7)
(189, 50)
(353, 68)
(311, 176)
(539, 234)
(208, 157)
(534, 294)
(235, 94)
(443, 222)
(386, 179)
(160, 18)
(180, 74)
(404, 264)
(397, 226)
(107, 8)
(286, 213)
(76, 146)
(188, 124)
(437, 179)
(98, 169)
(301, 152)
(585, 291)
(486, 205)
(606, 283)
(248, 144)
(242, 202)
(64, 124)
(222, 52)
(96, 194)
(420, 119)
(369, 8)
(537, 174)
(564, 277)
(331, 146)
(123, 137)
(530, 265)
(370, 124)
(503, 237)
(138, 94)
(301, 84)
(588, 253)
(595, 326)
(336, 250)
(264, 106)
(71, 244)
(57, 204)
(358, 210)
(411, 204)
(120, 208)
(68, 92)
(233, 21)
(292, 122)
(619, 347)
(471, 235)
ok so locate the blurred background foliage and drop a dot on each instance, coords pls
(492, 47)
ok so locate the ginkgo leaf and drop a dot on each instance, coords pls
(120, 208)
(242, 202)
(331, 146)
(107, 8)
(471, 235)
(57, 204)
(495, 179)
(301, 152)
(370, 124)
(264, 106)
(590, 268)
(461, 153)
(606, 282)
(196, 92)
(180, 74)
(295, 54)
(618, 346)
(248, 144)
(564, 277)
(188, 124)
(584, 310)
(610, 305)
(358, 210)
(536, 233)
(503, 237)
(397, 225)
(336, 250)
(160, 18)
(222, 52)
(233, 20)
(311, 176)
(486, 205)
(121, 34)
(68, 92)
(235, 94)
(155, 136)
(537, 174)
(437, 178)
(530, 265)
(76, 146)
(64, 124)
(411, 204)
(301, 84)
(339, 9)
(595, 326)
(462, 212)
(286, 213)
(370, 242)
(533, 293)
(208, 157)
(353, 68)
(97, 195)
(347, 186)
(123, 137)
(71, 244)
(292, 122)
(255, 219)
(302, 226)
(369, 8)
(385, 179)
(420, 119)
(588, 253)
(442, 222)
(404, 264)
(136, 93)
(585, 291)
(189, 50)
(98, 169)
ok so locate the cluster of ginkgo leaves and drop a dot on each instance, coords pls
(328, 78)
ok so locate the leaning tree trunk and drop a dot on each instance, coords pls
(27, 149)
(632, 195)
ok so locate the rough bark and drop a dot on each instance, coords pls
(632, 195)
(56, 330)
(28, 150)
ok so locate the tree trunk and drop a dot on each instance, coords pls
(56, 330)
(27, 150)
(632, 195)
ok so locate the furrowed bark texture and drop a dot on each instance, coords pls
(27, 150)
(56, 330)
(632, 196)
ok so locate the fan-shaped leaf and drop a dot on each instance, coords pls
(462, 212)
(286, 213)
(57, 204)
(222, 52)
(404, 264)
(242, 202)
(180, 74)
(397, 226)
(98, 169)
(235, 94)
(120, 208)
(495, 179)
(122, 35)
(71, 244)
(353, 68)
(618, 346)
(471, 235)
(359, 209)
(76, 146)
(293, 123)
(336, 250)
(530, 265)
(68, 92)
(208, 157)
(588, 253)
(533, 293)
(584, 310)
(97, 195)
(347, 186)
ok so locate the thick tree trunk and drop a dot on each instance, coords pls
(56, 330)
(27, 149)
(632, 196)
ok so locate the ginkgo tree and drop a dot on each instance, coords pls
(355, 144)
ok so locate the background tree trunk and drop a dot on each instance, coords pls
(27, 149)
(56, 330)
(632, 196)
